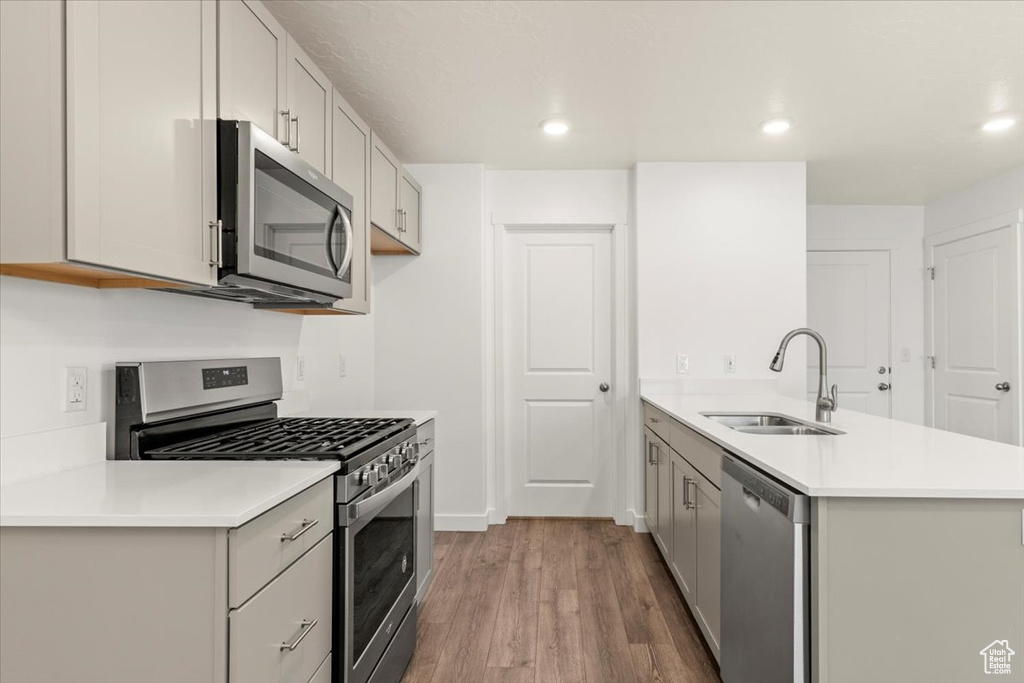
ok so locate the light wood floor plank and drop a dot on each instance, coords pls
(509, 675)
(640, 611)
(559, 638)
(450, 580)
(464, 654)
(660, 664)
(606, 655)
(559, 567)
(514, 643)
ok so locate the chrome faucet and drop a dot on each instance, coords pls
(827, 401)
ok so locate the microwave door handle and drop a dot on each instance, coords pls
(328, 234)
(347, 259)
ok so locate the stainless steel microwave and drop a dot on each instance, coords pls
(285, 227)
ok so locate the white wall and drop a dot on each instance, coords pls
(45, 327)
(721, 268)
(900, 229)
(998, 195)
(428, 333)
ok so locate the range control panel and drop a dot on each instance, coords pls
(219, 378)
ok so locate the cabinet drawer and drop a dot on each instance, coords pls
(293, 610)
(261, 549)
(323, 674)
(657, 421)
(704, 455)
(425, 437)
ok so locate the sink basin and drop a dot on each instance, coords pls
(770, 423)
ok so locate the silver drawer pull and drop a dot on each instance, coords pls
(426, 442)
(307, 524)
(307, 626)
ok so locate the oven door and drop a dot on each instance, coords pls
(377, 569)
(294, 226)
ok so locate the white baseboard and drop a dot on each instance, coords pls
(461, 522)
(638, 522)
(494, 518)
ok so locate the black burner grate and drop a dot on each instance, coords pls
(289, 437)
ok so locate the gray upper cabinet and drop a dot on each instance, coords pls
(409, 211)
(253, 67)
(350, 166)
(385, 174)
(141, 136)
(130, 89)
(309, 106)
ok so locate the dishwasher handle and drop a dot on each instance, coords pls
(760, 490)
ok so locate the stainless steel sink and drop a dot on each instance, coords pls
(770, 423)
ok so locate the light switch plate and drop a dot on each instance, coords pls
(300, 369)
(76, 387)
(730, 364)
(342, 366)
(682, 363)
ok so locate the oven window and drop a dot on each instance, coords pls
(292, 219)
(383, 564)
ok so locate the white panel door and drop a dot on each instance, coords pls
(848, 303)
(977, 354)
(558, 337)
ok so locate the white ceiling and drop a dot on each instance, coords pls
(887, 97)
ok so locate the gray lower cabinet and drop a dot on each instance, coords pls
(683, 513)
(425, 511)
(190, 605)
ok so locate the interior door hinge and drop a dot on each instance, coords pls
(931, 360)
(931, 272)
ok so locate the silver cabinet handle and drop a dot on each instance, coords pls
(307, 524)
(1003, 386)
(287, 142)
(216, 246)
(306, 626)
(650, 453)
(295, 120)
(692, 499)
(426, 442)
(686, 492)
(654, 420)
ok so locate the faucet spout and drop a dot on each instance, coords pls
(827, 401)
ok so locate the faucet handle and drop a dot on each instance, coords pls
(834, 395)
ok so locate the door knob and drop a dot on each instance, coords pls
(1003, 386)
(604, 386)
(882, 386)
(881, 370)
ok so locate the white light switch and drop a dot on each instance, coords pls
(76, 385)
(682, 363)
(730, 364)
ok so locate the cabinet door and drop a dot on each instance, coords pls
(651, 484)
(410, 225)
(664, 535)
(385, 173)
(309, 102)
(709, 558)
(141, 137)
(424, 529)
(253, 65)
(350, 168)
(684, 527)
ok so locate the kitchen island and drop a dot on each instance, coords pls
(916, 546)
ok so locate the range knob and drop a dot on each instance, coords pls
(368, 477)
(409, 452)
(395, 460)
(381, 470)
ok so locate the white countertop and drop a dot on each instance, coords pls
(419, 416)
(876, 457)
(126, 493)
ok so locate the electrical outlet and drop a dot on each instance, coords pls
(905, 354)
(730, 364)
(300, 369)
(342, 367)
(76, 386)
(682, 363)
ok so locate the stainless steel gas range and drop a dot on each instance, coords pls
(226, 409)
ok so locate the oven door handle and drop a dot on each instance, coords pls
(379, 501)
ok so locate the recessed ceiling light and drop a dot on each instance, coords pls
(997, 125)
(554, 127)
(776, 126)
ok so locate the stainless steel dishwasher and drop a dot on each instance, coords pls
(765, 578)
